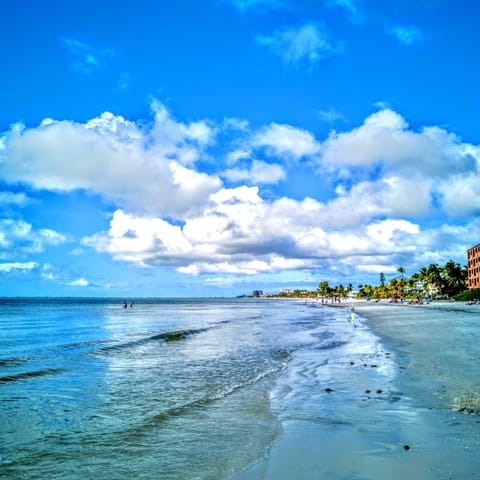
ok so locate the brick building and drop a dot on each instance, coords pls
(473, 257)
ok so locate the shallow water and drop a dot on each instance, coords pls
(167, 389)
(239, 389)
(394, 396)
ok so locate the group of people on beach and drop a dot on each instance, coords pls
(418, 301)
(125, 305)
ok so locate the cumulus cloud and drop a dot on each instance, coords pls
(79, 282)
(145, 169)
(142, 241)
(378, 182)
(459, 194)
(17, 237)
(387, 197)
(233, 235)
(243, 234)
(286, 141)
(258, 173)
(307, 44)
(409, 174)
(418, 170)
(386, 140)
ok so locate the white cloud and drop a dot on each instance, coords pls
(387, 197)
(80, 282)
(178, 141)
(258, 173)
(141, 168)
(13, 266)
(407, 34)
(307, 44)
(17, 237)
(406, 175)
(378, 182)
(330, 115)
(141, 240)
(460, 195)
(378, 269)
(384, 139)
(418, 171)
(10, 198)
(286, 141)
(239, 154)
(243, 234)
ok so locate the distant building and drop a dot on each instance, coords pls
(473, 257)
(257, 293)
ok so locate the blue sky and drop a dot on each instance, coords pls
(212, 148)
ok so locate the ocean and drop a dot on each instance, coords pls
(237, 389)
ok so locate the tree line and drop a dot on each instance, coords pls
(434, 281)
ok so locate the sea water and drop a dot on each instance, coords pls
(236, 389)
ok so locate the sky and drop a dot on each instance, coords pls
(215, 147)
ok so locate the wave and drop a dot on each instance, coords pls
(194, 405)
(167, 337)
(29, 375)
(84, 344)
(331, 345)
(12, 362)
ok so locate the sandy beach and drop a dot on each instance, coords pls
(400, 402)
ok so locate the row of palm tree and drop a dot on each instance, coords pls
(432, 281)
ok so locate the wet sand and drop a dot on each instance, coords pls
(388, 411)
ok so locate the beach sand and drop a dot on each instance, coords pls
(391, 411)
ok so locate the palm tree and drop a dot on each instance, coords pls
(454, 277)
(434, 279)
(367, 291)
(423, 277)
(393, 286)
(324, 289)
(402, 282)
(340, 291)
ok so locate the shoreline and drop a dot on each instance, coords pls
(417, 418)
